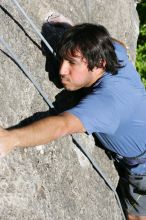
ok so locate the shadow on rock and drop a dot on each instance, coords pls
(53, 32)
(35, 117)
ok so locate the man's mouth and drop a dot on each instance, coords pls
(64, 80)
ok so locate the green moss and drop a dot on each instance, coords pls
(141, 44)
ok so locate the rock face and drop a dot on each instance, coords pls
(53, 182)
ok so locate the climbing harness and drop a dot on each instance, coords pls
(29, 75)
(134, 170)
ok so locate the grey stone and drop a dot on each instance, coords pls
(54, 181)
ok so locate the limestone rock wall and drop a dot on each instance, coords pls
(53, 182)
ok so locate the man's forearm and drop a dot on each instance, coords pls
(40, 132)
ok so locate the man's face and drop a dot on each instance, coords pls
(74, 73)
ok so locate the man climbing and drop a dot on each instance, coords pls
(114, 109)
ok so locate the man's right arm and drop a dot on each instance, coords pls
(39, 132)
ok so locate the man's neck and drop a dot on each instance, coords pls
(97, 74)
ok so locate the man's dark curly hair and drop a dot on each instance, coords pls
(95, 44)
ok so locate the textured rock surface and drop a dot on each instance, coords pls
(54, 181)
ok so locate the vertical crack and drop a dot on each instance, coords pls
(87, 9)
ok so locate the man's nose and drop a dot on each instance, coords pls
(64, 69)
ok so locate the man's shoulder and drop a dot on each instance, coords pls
(121, 51)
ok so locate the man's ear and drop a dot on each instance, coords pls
(98, 71)
(102, 64)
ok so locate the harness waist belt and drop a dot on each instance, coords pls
(132, 161)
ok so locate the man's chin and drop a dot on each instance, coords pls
(70, 88)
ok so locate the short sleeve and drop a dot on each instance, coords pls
(121, 52)
(97, 112)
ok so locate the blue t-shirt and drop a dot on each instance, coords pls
(115, 110)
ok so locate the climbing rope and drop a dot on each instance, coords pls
(34, 27)
(42, 93)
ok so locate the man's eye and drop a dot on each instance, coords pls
(71, 62)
